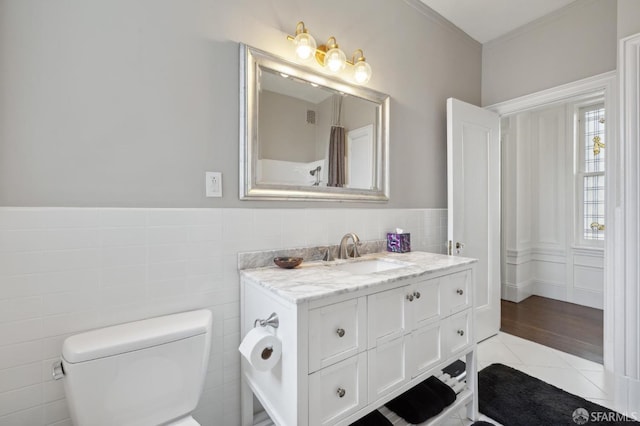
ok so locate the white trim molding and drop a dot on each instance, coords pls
(604, 85)
(517, 292)
(589, 86)
(443, 22)
(624, 271)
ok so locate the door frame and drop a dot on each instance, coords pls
(606, 85)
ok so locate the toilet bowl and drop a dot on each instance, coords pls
(147, 372)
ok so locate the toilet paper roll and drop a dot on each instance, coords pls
(261, 348)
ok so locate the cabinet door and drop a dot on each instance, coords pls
(425, 306)
(458, 332)
(338, 390)
(336, 332)
(457, 291)
(425, 348)
(387, 367)
(386, 316)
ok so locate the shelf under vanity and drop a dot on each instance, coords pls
(356, 336)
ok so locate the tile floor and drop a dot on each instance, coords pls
(575, 375)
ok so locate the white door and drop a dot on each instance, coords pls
(360, 158)
(473, 179)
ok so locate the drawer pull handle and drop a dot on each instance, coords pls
(341, 392)
(461, 332)
(417, 294)
(410, 297)
(340, 332)
(460, 291)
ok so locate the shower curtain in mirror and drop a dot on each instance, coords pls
(337, 142)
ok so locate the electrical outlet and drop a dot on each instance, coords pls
(213, 184)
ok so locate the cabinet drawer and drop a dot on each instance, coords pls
(387, 367)
(338, 390)
(336, 332)
(425, 306)
(457, 291)
(387, 316)
(458, 332)
(425, 348)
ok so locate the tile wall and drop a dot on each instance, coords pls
(66, 270)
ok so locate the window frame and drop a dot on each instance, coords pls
(580, 173)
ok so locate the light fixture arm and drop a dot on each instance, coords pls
(300, 28)
(357, 57)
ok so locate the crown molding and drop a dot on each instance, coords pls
(443, 22)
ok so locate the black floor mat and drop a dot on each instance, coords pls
(514, 398)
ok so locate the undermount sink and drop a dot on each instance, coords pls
(367, 266)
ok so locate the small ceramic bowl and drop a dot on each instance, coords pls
(287, 262)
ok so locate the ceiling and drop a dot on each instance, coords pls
(296, 88)
(485, 20)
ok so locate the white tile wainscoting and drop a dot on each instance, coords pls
(66, 270)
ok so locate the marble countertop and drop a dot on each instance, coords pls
(318, 279)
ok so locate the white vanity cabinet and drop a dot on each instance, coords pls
(410, 329)
(347, 353)
(336, 332)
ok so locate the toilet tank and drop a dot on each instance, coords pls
(146, 372)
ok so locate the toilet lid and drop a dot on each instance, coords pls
(133, 336)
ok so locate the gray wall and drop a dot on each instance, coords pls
(628, 18)
(129, 102)
(357, 113)
(284, 131)
(577, 42)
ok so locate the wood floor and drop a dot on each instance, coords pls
(564, 326)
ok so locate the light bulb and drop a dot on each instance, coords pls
(305, 45)
(361, 72)
(335, 60)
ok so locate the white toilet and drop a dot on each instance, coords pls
(148, 372)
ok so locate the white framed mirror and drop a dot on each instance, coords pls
(307, 136)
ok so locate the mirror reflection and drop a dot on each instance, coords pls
(305, 135)
(313, 135)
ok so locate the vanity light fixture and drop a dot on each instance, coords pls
(334, 59)
(329, 55)
(361, 69)
(304, 42)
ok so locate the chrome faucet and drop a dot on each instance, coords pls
(343, 254)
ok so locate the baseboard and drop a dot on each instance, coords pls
(634, 399)
(516, 293)
(592, 299)
(627, 396)
(557, 291)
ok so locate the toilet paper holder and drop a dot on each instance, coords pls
(272, 321)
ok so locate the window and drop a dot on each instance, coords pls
(591, 173)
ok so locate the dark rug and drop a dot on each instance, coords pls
(375, 418)
(514, 398)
